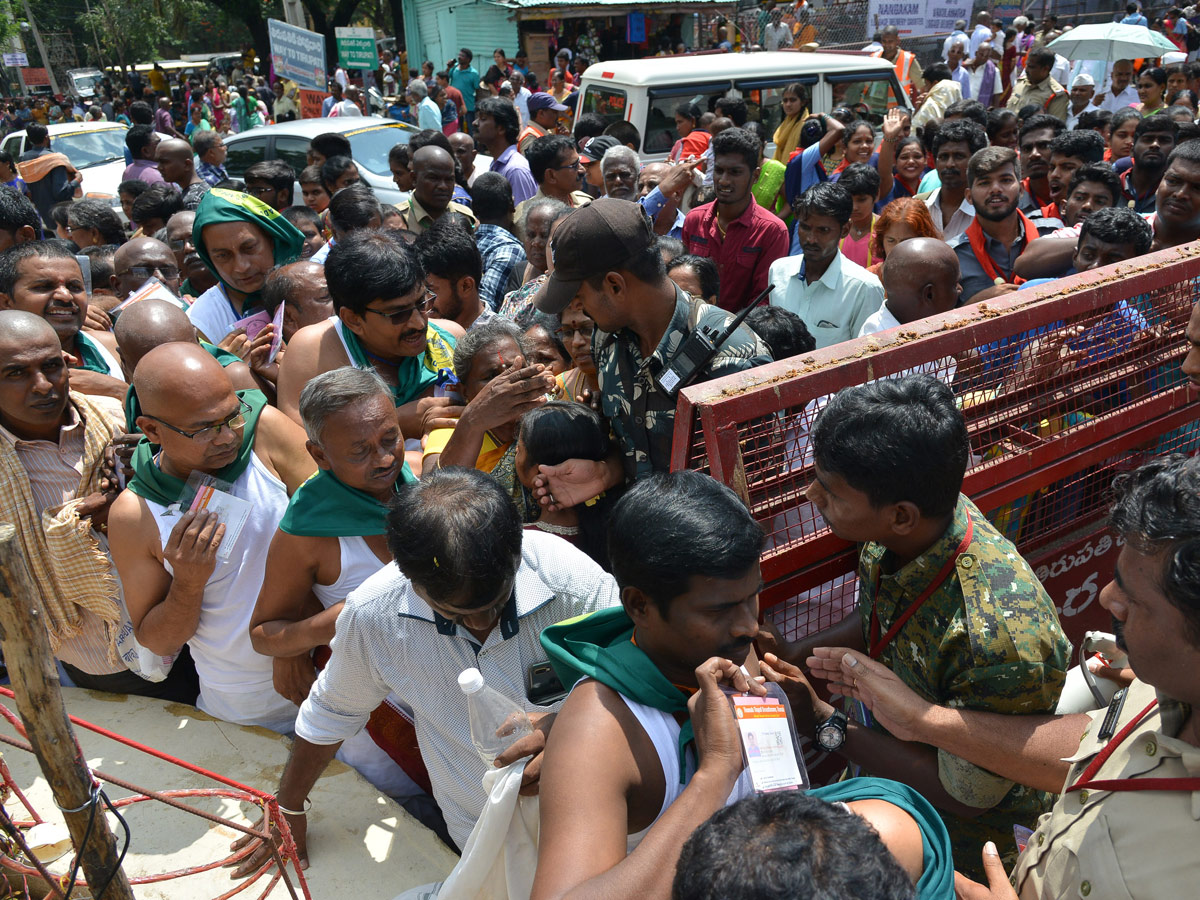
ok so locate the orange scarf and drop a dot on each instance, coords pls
(975, 236)
(39, 167)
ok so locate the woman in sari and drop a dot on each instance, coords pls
(499, 387)
(795, 110)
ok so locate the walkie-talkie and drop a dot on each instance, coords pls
(698, 350)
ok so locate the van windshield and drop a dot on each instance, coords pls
(605, 101)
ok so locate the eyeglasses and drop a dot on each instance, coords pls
(179, 244)
(400, 316)
(144, 272)
(584, 331)
(208, 433)
(578, 164)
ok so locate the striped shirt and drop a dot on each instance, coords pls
(389, 639)
(55, 470)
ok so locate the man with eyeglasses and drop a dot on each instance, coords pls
(381, 322)
(196, 277)
(191, 577)
(468, 588)
(140, 259)
(44, 278)
(558, 170)
(177, 165)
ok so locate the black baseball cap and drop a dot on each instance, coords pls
(592, 240)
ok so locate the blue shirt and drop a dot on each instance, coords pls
(803, 171)
(1135, 19)
(512, 165)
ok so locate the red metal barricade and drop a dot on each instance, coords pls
(1063, 387)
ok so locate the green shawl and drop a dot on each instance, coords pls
(600, 646)
(220, 206)
(90, 358)
(151, 482)
(937, 878)
(133, 408)
(325, 506)
(414, 374)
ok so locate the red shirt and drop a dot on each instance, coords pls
(456, 97)
(753, 241)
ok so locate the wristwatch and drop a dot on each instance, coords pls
(831, 733)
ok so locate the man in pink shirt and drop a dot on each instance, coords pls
(741, 237)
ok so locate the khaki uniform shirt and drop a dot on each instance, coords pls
(417, 220)
(1050, 96)
(988, 638)
(1122, 845)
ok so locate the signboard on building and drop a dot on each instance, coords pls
(356, 48)
(297, 54)
(914, 17)
(13, 60)
(35, 77)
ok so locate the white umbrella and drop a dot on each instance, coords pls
(1110, 42)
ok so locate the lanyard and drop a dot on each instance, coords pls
(1088, 779)
(877, 646)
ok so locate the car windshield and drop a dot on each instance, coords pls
(87, 82)
(372, 145)
(89, 148)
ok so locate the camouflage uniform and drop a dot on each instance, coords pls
(988, 638)
(642, 416)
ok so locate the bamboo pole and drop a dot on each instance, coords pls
(40, 705)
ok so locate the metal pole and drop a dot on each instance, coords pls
(37, 38)
(40, 703)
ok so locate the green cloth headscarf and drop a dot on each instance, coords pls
(151, 482)
(600, 646)
(414, 374)
(937, 877)
(325, 506)
(133, 408)
(220, 206)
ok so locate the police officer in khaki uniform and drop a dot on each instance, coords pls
(1127, 823)
(1037, 87)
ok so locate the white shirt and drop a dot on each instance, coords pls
(880, 320)
(1061, 70)
(388, 639)
(1116, 102)
(834, 306)
(776, 36)
(341, 77)
(1073, 119)
(213, 314)
(522, 104)
(978, 36)
(345, 108)
(958, 222)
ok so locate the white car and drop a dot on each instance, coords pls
(371, 137)
(96, 149)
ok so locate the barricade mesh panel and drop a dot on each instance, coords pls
(1063, 387)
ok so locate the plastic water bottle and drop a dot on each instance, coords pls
(497, 722)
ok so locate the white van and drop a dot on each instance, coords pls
(646, 91)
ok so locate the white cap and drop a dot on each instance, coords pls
(1083, 79)
(470, 680)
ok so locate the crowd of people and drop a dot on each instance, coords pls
(440, 433)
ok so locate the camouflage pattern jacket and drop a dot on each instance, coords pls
(641, 414)
(988, 638)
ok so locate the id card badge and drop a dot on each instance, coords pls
(770, 746)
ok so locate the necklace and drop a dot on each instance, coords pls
(856, 232)
(567, 530)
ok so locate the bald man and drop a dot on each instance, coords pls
(186, 580)
(44, 278)
(56, 447)
(433, 188)
(139, 259)
(196, 276)
(177, 164)
(147, 324)
(920, 279)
